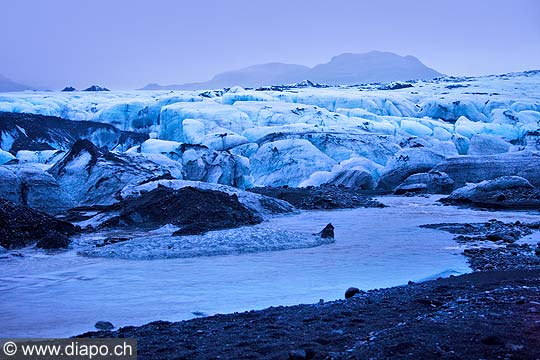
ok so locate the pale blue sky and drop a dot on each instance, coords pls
(129, 43)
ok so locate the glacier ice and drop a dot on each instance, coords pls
(32, 185)
(228, 136)
(407, 162)
(287, 162)
(160, 244)
(5, 157)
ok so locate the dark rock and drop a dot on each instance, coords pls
(297, 355)
(53, 240)
(96, 88)
(69, 89)
(104, 325)
(22, 226)
(351, 292)
(492, 340)
(194, 210)
(327, 232)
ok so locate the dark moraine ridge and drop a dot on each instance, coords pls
(194, 210)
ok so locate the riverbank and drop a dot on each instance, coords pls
(488, 315)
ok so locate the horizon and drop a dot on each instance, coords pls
(110, 45)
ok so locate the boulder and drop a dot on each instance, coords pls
(327, 232)
(104, 325)
(351, 292)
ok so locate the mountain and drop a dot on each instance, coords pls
(252, 76)
(374, 66)
(344, 69)
(7, 85)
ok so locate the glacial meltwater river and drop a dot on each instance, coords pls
(65, 294)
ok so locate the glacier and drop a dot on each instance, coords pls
(302, 135)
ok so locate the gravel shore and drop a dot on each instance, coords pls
(492, 313)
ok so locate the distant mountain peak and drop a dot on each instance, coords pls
(344, 69)
(8, 85)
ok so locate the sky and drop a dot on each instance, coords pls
(125, 44)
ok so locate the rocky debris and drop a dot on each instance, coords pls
(38, 132)
(474, 169)
(433, 182)
(507, 255)
(512, 256)
(21, 226)
(69, 89)
(485, 315)
(492, 230)
(506, 192)
(263, 205)
(327, 232)
(320, 197)
(351, 292)
(104, 325)
(96, 88)
(194, 210)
